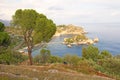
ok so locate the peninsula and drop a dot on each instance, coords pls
(79, 37)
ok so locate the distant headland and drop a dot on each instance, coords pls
(79, 37)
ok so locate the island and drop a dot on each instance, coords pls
(79, 37)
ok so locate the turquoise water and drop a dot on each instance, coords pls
(108, 34)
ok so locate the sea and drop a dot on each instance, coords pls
(108, 34)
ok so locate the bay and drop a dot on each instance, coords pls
(108, 34)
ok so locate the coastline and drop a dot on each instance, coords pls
(70, 30)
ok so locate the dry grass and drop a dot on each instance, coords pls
(49, 72)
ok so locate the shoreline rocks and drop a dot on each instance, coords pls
(79, 40)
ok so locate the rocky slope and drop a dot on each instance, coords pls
(69, 29)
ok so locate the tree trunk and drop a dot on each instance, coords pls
(30, 56)
(29, 42)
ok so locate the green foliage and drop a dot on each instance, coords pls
(29, 20)
(44, 28)
(4, 39)
(34, 26)
(2, 27)
(80, 37)
(90, 52)
(12, 57)
(105, 54)
(61, 26)
(25, 19)
(69, 40)
(71, 59)
(55, 59)
(43, 57)
(110, 66)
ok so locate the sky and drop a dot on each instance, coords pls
(66, 11)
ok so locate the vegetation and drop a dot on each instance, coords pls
(103, 61)
(68, 29)
(12, 57)
(92, 52)
(35, 27)
(43, 57)
(7, 55)
(75, 39)
(2, 27)
(4, 37)
(46, 57)
(111, 66)
(71, 59)
(93, 61)
(50, 72)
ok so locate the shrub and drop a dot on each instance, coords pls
(105, 54)
(90, 52)
(12, 57)
(4, 39)
(55, 59)
(43, 57)
(2, 27)
(71, 59)
(111, 66)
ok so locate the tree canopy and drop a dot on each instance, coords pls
(35, 27)
(2, 27)
(4, 37)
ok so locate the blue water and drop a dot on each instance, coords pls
(108, 35)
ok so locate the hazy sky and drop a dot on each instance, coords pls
(66, 11)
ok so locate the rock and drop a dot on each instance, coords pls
(34, 70)
(53, 71)
(96, 40)
(35, 79)
(69, 45)
(90, 41)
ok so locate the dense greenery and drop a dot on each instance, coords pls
(7, 54)
(92, 52)
(2, 27)
(38, 28)
(71, 59)
(92, 61)
(4, 37)
(35, 27)
(12, 57)
(43, 57)
(46, 57)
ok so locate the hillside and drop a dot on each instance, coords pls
(48, 72)
(6, 22)
(69, 29)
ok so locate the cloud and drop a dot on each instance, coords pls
(55, 8)
(115, 13)
(66, 11)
